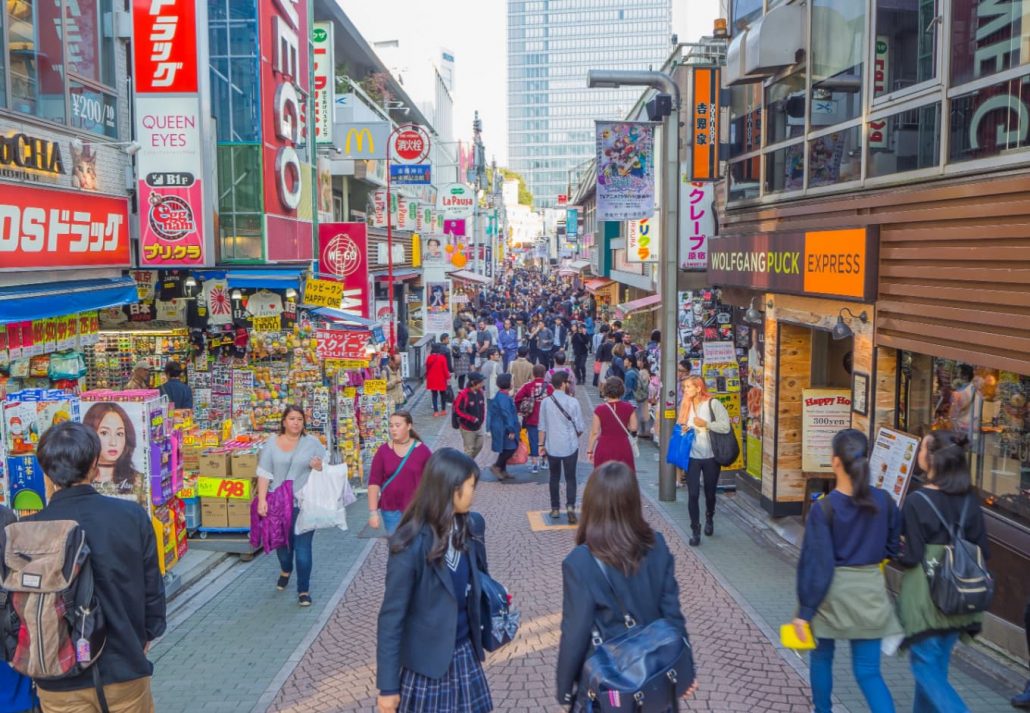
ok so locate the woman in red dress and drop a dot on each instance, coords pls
(614, 424)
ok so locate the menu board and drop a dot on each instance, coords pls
(892, 461)
(824, 412)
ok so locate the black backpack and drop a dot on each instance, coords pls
(960, 583)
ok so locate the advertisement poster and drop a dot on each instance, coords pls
(642, 242)
(343, 255)
(892, 461)
(824, 412)
(438, 307)
(325, 91)
(755, 402)
(433, 254)
(697, 224)
(122, 428)
(625, 170)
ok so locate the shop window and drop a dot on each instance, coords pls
(745, 119)
(241, 237)
(835, 158)
(991, 121)
(991, 406)
(82, 38)
(906, 141)
(987, 37)
(35, 58)
(785, 169)
(745, 12)
(93, 110)
(838, 45)
(905, 46)
(744, 178)
(785, 108)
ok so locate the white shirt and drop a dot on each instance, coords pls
(561, 439)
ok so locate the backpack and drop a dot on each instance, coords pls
(960, 583)
(641, 392)
(51, 623)
(455, 421)
(528, 404)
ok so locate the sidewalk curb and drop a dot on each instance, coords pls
(264, 703)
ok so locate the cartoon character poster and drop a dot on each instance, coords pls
(625, 170)
(122, 428)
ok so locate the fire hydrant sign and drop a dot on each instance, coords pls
(410, 145)
(323, 293)
(340, 344)
(824, 412)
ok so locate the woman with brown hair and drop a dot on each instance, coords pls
(614, 427)
(619, 563)
(398, 462)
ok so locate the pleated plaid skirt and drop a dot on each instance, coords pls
(463, 689)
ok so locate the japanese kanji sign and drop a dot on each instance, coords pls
(703, 118)
(341, 344)
(697, 223)
(323, 293)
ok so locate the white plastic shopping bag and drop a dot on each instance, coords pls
(323, 500)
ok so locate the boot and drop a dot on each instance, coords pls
(1023, 699)
(695, 537)
(709, 525)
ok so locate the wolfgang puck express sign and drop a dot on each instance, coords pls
(824, 263)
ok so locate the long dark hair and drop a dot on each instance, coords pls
(949, 469)
(433, 505)
(612, 523)
(852, 447)
(123, 471)
(406, 415)
(293, 408)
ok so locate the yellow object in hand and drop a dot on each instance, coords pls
(790, 640)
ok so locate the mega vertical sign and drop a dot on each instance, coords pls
(169, 128)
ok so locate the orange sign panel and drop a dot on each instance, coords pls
(835, 262)
(703, 115)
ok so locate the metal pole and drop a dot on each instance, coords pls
(669, 277)
(389, 246)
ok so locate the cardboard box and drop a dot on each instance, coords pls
(214, 465)
(244, 464)
(238, 513)
(214, 512)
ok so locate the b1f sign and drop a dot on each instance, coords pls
(642, 244)
(325, 94)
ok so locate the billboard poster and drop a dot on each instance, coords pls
(625, 170)
(343, 256)
(123, 428)
(697, 223)
(433, 253)
(824, 412)
(325, 91)
(438, 307)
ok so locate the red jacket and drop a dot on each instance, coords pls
(437, 373)
(541, 390)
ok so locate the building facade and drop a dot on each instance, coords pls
(551, 112)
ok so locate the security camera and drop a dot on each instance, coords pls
(133, 148)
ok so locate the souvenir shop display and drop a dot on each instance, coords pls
(27, 415)
(348, 441)
(373, 417)
(111, 360)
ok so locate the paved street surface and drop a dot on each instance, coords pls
(250, 648)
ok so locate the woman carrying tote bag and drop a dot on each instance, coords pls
(706, 416)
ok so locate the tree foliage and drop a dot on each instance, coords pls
(525, 196)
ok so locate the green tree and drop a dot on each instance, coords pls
(525, 196)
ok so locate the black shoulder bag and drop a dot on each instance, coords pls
(725, 448)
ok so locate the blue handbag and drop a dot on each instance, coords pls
(680, 443)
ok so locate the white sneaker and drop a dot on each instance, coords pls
(536, 467)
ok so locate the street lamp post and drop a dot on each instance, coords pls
(610, 79)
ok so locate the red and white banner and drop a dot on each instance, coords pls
(165, 46)
(343, 256)
(340, 344)
(46, 228)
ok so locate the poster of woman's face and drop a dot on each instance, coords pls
(121, 467)
(433, 253)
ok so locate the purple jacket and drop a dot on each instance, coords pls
(273, 531)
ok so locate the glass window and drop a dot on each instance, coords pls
(835, 158)
(82, 34)
(838, 45)
(785, 169)
(987, 36)
(905, 141)
(745, 119)
(93, 110)
(744, 177)
(35, 56)
(746, 11)
(905, 46)
(785, 108)
(991, 121)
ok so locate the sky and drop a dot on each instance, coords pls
(476, 32)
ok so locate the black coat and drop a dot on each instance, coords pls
(650, 594)
(418, 621)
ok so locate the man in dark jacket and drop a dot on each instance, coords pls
(123, 553)
(470, 409)
(175, 389)
(580, 349)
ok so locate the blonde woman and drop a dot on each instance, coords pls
(704, 414)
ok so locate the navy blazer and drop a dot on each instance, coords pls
(650, 594)
(418, 620)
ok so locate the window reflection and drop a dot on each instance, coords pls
(905, 141)
(744, 178)
(987, 37)
(835, 158)
(838, 44)
(785, 169)
(785, 108)
(35, 56)
(905, 46)
(745, 119)
(992, 121)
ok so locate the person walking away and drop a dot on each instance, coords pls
(470, 414)
(521, 369)
(589, 326)
(560, 367)
(930, 635)
(394, 381)
(140, 378)
(127, 580)
(545, 345)
(561, 425)
(462, 353)
(1023, 699)
(613, 426)
(490, 370)
(631, 379)
(618, 365)
(842, 593)
(429, 651)
(705, 415)
(602, 354)
(534, 347)
(291, 455)
(528, 400)
(16, 694)
(642, 397)
(438, 375)
(618, 556)
(396, 472)
(177, 391)
(580, 348)
(508, 341)
(503, 425)
(484, 341)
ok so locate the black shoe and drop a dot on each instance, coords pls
(572, 516)
(280, 584)
(555, 514)
(304, 600)
(709, 526)
(695, 537)
(1023, 699)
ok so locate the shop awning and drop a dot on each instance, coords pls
(266, 279)
(596, 284)
(400, 275)
(644, 304)
(568, 272)
(24, 303)
(470, 277)
(338, 315)
(578, 265)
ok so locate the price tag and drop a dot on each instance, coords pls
(234, 488)
(350, 392)
(267, 324)
(187, 493)
(323, 293)
(375, 386)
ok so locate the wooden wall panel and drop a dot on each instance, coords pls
(771, 378)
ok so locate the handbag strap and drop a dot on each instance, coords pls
(627, 618)
(399, 468)
(625, 430)
(954, 531)
(564, 412)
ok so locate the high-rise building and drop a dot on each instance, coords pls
(551, 112)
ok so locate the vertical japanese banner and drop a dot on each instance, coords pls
(625, 170)
(703, 118)
(343, 256)
(325, 94)
(642, 242)
(697, 222)
(169, 127)
(438, 307)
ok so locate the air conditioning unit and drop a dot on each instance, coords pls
(774, 41)
(734, 72)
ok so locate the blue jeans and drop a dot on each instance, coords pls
(299, 549)
(929, 658)
(533, 433)
(865, 663)
(391, 519)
